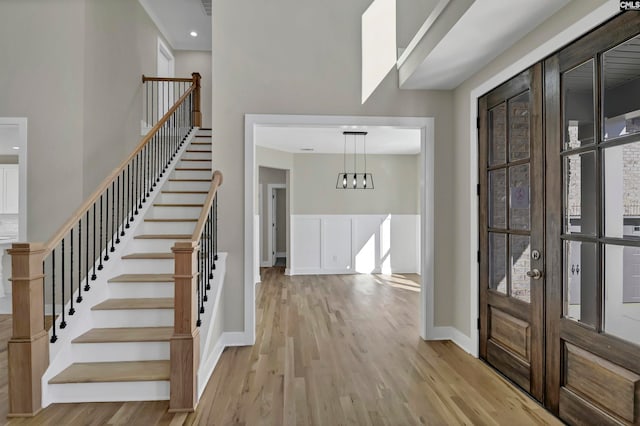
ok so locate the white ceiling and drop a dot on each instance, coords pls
(9, 137)
(177, 18)
(486, 30)
(330, 140)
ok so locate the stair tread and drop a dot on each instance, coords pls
(200, 143)
(142, 278)
(99, 372)
(149, 256)
(178, 205)
(171, 220)
(198, 150)
(163, 237)
(192, 169)
(185, 192)
(126, 334)
(196, 159)
(189, 180)
(136, 303)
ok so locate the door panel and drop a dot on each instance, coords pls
(512, 233)
(592, 128)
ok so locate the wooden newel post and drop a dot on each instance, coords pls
(197, 114)
(185, 342)
(28, 348)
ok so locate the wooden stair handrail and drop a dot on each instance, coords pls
(216, 181)
(80, 211)
(169, 79)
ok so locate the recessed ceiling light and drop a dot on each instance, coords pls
(15, 147)
(307, 149)
(193, 34)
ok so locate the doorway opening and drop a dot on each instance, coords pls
(13, 197)
(274, 216)
(322, 238)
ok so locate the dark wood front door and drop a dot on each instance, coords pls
(512, 252)
(592, 125)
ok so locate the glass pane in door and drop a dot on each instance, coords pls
(519, 198)
(498, 135)
(621, 85)
(519, 127)
(498, 262)
(520, 265)
(580, 282)
(498, 198)
(580, 198)
(579, 111)
(622, 292)
(622, 191)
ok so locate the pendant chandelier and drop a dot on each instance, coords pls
(353, 179)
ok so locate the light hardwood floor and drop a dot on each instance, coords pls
(332, 350)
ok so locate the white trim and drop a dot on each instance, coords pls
(281, 254)
(21, 123)
(163, 30)
(164, 50)
(271, 255)
(426, 126)
(428, 23)
(570, 33)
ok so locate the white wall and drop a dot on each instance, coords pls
(395, 178)
(302, 57)
(188, 61)
(73, 68)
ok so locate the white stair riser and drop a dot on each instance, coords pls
(168, 227)
(133, 318)
(140, 290)
(194, 154)
(120, 352)
(191, 174)
(161, 212)
(187, 186)
(181, 198)
(109, 392)
(147, 266)
(151, 246)
(184, 162)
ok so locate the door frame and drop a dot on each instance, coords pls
(21, 123)
(537, 54)
(428, 330)
(270, 218)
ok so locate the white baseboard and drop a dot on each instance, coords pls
(281, 254)
(456, 336)
(266, 264)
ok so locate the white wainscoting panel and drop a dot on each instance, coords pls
(336, 251)
(306, 242)
(347, 244)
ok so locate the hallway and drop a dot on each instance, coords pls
(330, 350)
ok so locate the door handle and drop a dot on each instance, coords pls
(535, 274)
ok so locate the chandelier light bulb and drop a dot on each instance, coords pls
(355, 180)
(364, 181)
(344, 181)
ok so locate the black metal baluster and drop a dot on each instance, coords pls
(100, 266)
(138, 182)
(63, 323)
(113, 218)
(122, 202)
(94, 276)
(53, 295)
(211, 260)
(117, 197)
(71, 309)
(129, 196)
(199, 322)
(79, 299)
(86, 259)
(201, 276)
(203, 255)
(106, 228)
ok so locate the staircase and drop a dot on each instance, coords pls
(125, 354)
